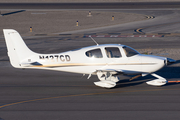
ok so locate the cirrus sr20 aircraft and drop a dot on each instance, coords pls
(106, 61)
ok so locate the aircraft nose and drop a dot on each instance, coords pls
(153, 63)
(170, 61)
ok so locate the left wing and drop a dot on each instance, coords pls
(111, 71)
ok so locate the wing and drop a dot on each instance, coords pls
(111, 71)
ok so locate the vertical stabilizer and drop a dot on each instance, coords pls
(17, 49)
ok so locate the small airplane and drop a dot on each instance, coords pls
(106, 61)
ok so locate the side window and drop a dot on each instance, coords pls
(129, 52)
(96, 53)
(113, 52)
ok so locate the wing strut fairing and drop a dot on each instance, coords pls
(107, 78)
(157, 82)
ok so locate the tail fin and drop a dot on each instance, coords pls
(17, 49)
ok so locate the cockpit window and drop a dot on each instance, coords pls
(113, 52)
(96, 53)
(129, 52)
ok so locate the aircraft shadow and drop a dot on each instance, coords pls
(128, 83)
(168, 72)
(177, 61)
(13, 12)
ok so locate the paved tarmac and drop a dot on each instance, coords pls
(57, 21)
(109, 5)
(43, 95)
(39, 94)
(79, 1)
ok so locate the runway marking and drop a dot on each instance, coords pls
(38, 13)
(123, 36)
(149, 17)
(48, 98)
(139, 30)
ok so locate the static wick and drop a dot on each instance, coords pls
(94, 40)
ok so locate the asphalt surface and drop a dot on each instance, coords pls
(124, 5)
(43, 95)
(33, 94)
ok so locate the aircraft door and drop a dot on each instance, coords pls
(113, 57)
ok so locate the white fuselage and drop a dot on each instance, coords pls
(79, 61)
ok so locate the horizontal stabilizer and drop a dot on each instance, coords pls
(31, 64)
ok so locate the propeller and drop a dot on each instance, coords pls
(170, 61)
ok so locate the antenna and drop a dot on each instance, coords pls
(94, 40)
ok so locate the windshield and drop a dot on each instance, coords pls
(129, 51)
